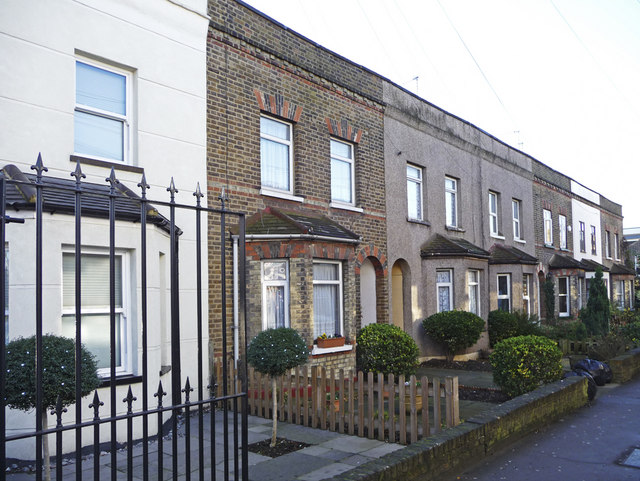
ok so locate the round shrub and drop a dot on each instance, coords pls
(523, 363)
(58, 372)
(455, 330)
(274, 351)
(502, 325)
(631, 332)
(386, 349)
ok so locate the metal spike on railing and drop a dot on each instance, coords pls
(39, 168)
(172, 190)
(113, 181)
(78, 174)
(212, 387)
(129, 400)
(187, 389)
(223, 198)
(198, 194)
(95, 405)
(144, 186)
(58, 411)
(160, 394)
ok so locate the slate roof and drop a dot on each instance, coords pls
(559, 261)
(442, 246)
(501, 254)
(274, 222)
(621, 269)
(59, 197)
(591, 266)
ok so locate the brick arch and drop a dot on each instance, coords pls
(375, 255)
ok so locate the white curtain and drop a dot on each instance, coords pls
(275, 307)
(326, 302)
(341, 181)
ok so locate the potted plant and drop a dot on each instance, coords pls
(325, 341)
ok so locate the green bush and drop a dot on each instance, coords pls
(528, 325)
(274, 351)
(521, 364)
(502, 325)
(597, 314)
(387, 349)
(609, 346)
(58, 372)
(573, 331)
(455, 330)
(631, 332)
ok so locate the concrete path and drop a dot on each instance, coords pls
(329, 454)
(598, 442)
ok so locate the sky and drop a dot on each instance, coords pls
(557, 79)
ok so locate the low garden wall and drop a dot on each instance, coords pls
(625, 366)
(477, 437)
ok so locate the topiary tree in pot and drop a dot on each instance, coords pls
(274, 352)
(58, 376)
(454, 330)
(386, 349)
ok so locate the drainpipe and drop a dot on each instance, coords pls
(236, 341)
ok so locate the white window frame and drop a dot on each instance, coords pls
(580, 291)
(621, 301)
(414, 180)
(6, 293)
(126, 326)
(506, 296)
(526, 292)
(547, 227)
(474, 285)
(125, 119)
(447, 285)
(274, 283)
(583, 237)
(566, 295)
(594, 240)
(562, 225)
(289, 143)
(616, 246)
(607, 244)
(350, 162)
(494, 224)
(451, 199)
(516, 212)
(340, 284)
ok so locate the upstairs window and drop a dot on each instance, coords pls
(327, 299)
(276, 155)
(342, 178)
(562, 225)
(515, 208)
(607, 244)
(414, 192)
(616, 247)
(451, 201)
(583, 241)
(493, 214)
(594, 249)
(548, 227)
(101, 115)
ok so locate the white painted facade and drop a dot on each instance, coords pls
(160, 46)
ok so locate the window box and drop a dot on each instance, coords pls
(328, 343)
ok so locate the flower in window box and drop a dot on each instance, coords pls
(325, 341)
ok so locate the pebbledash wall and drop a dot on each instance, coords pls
(259, 69)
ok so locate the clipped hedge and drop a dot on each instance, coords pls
(502, 325)
(454, 330)
(386, 349)
(523, 363)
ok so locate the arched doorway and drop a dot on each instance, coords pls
(368, 293)
(397, 296)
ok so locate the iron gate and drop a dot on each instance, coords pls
(201, 435)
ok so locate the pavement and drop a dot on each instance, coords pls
(600, 441)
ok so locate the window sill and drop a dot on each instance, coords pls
(549, 246)
(419, 221)
(106, 164)
(520, 241)
(330, 350)
(453, 228)
(496, 236)
(338, 205)
(564, 249)
(121, 380)
(564, 314)
(281, 195)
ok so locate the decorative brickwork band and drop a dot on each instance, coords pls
(343, 130)
(277, 105)
(371, 251)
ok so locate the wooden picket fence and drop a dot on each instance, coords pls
(569, 347)
(351, 403)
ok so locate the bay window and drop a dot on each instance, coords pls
(275, 294)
